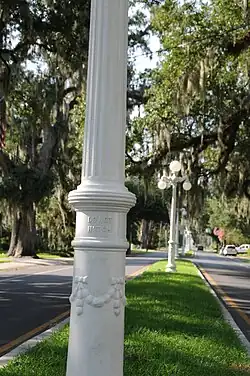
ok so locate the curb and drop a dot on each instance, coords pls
(28, 264)
(11, 268)
(227, 315)
(30, 343)
(26, 346)
(22, 264)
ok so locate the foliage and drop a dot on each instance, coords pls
(193, 106)
(43, 59)
(197, 103)
(56, 220)
(44, 52)
(224, 213)
(149, 211)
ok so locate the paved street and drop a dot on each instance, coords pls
(231, 279)
(31, 297)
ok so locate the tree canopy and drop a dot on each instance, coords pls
(194, 107)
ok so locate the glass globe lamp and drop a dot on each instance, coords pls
(175, 166)
(187, 185)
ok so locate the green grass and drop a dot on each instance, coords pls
(139, 251)
(189, 254)
(3, 257)
(245, 259)
(174, 327)
(48, 256)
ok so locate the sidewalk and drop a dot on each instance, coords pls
(12, 263)
(18, 263)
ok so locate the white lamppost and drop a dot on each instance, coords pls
(177, 235)
(183, 220)
(101, 203)
(165, 182)
(189, 244)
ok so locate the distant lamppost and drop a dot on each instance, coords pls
(177, 234)
(188, 241)
(183, 220)
(165, 182)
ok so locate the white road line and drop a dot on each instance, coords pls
(42, 294)
(20, 277)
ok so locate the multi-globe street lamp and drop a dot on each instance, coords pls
(165, 182)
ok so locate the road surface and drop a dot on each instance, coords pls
(231, 279)
(36, 297)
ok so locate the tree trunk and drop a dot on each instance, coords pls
(14, 232)
(23, 234)
(129, 237)
(129, 251)
(144, 234)
(150, 235)
(160, 236)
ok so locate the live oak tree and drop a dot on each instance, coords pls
(39, 119)
(43, 61)
(55, 218)
(150, 210)
(27, 30)
(197, 106)
(35, 109)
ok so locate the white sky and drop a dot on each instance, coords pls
(143, 62)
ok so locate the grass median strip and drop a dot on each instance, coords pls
(174, 327)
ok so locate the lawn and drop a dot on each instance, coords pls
(3, 257)
(188, 254)
(245, 257)
(48, 256)
(139, 251)
(174, 327)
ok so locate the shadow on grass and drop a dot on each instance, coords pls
(47, 359)
(157, 359)
(169, 305)
(174, 326)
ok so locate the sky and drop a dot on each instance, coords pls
(143, 62)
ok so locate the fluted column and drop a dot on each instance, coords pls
(177, 234)
(171, 266)
(101, 202)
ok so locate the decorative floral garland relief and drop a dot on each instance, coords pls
(81, 295)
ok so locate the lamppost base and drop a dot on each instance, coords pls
(171, 269)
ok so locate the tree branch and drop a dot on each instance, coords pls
(69, 90)
(6, 164)
(236, 48)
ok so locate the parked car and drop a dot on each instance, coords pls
(200, 247)
(229, 250)
(243, 248)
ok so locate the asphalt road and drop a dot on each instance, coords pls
(231, 279)
(32, 299)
